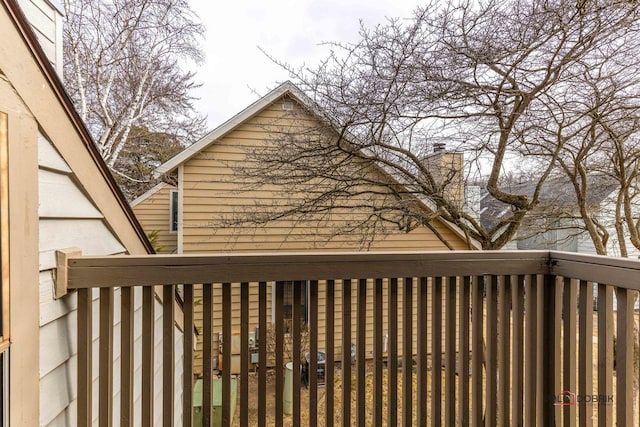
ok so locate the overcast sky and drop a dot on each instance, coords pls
(289, 30)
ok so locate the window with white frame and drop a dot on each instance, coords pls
(173, 211)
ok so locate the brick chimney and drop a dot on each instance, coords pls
(447, 167)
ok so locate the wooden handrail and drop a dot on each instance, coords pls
(488, 337)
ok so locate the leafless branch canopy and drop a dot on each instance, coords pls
(508, 83)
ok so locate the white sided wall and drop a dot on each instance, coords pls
(68, 218)
(46, 18)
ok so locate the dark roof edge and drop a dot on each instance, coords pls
(24, 28)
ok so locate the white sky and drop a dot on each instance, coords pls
(289, 30)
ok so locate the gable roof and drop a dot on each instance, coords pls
(289, 89)
(27, 34)
(286, 88)
(557, 194)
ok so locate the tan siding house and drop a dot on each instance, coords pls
(213, 192)
(55, 193)
(158, 217)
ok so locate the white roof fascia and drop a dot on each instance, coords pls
(229, 125)
(148, 194)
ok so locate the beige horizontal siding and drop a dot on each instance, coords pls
(215, 196)
(153, 214)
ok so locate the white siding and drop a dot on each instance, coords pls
(46, 19)
(69, 218)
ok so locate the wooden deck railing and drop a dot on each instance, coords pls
(480, 338)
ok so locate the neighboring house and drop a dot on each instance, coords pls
(555, 224)
(55, 193)
(190, 218)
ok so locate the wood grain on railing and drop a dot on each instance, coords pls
(450, 352)
(244, 351)
(392, 353)
(477, 348)
(624, 357)
(407, 351)
(187, 365)
(168, 353)
(436, 351)
(296, 350)
(85, 357)
(127, 309)
(207, 353)
(227, 355)
(504, 350)
(463, 349)
(148, 318)
(530, 348)
(569, 314)
(605, 353)
(377, 352)
(346, 352)
(262, 354)
(585, 351)
(105, 384)
(279, 326)
(313, 351)
(491, 363)
(517, 352)
(330, 353)
(513, 331)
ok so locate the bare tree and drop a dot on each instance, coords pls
(140, 156)
(598, 130)
(125, 66)
(485, 78)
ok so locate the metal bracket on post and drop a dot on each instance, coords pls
(61, 276)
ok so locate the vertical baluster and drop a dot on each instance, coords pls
(539, 360)
(148, 319)
(463, 349)
(346, 352)
(207, 353)
(361, 342)
(296, 348)
(226, 356)
(605, 353)
(570, 298)
(312, 328)
(477, 350)
(126, 356)
(585, 352)
(262, 354)
(624, 358)
(531, 333)
(492, 354)
(392, 353)
(105, 395)
(557, 283)
(407, 351)
(244, 354)
(168, 353)
(550, 349)
(436, 352)
(279, 318)
(85, 357)
(187, 366)
(329, 345)
(517, 372)
(421, 397)
(377, 352)
(504, 350)
(450, 353)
